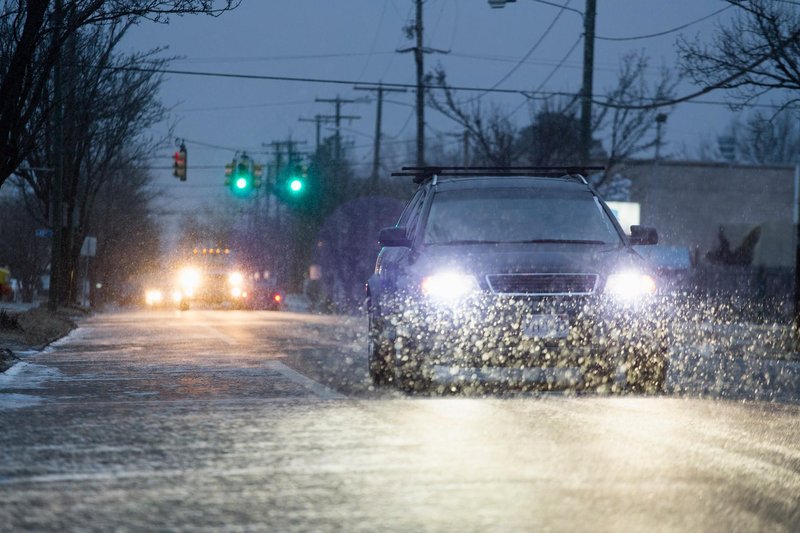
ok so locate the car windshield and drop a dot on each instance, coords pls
(518, 215)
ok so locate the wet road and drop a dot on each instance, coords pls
(264, 421)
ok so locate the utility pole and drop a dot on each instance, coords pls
(57, 215)
(589, 17)
(337, 119)
(376, 158)
(319, 120)
(419, 51)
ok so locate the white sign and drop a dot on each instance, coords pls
(627, 213)
(315, 272)
(89, 248)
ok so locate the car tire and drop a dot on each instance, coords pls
(380, 354)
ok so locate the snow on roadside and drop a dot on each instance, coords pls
(16, 401)
(22, 376)
(26, 375)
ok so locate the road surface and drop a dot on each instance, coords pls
(215, 420)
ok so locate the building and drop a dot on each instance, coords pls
(701, 205)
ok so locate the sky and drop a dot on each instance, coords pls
(356, 40)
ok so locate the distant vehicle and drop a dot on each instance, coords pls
(513, 276)
(212, 276)
(163, 297)
(266, 296)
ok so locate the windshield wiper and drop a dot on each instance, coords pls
(465, 241)
(560, 241)
(530, 241)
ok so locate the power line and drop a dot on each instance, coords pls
(528, 53)
(292, 57)
(665, 32)
(560, 64)
(248, 106)
(690, 98)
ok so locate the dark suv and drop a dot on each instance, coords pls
(513, 276)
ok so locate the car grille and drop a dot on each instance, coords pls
(543, 284)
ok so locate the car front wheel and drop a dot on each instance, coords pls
(380, 353)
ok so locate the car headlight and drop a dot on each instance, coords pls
(236, 278)
(236, 292)
(153, 297)
(448, 286)
(189, 278)
(630, 286)
(177, 296)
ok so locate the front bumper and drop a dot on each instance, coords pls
(486, 334)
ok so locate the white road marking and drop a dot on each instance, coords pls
(319, 389)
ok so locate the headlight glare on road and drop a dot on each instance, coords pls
(236, 278)
(189, 278)
(630, 286)
(153, 297)
(448, 286)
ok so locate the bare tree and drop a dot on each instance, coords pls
(32, 35)
(770, 139)
(20, 249)
(757, 52)
(493, 135)
(628, 129)
(553, 136)
(127, 230)
(109, 107)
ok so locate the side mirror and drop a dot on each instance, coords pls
(394, 236)
(643, 235)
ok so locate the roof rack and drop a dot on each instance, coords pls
(423, 174)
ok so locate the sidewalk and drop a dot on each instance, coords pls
(15, 307)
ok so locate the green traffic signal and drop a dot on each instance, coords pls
(241, 183)
(296, 185)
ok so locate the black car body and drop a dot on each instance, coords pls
(513, 277)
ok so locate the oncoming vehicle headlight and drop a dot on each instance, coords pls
(189, 278)
(153, 297)
(177, 296)
(236, 278)
(629, 286)
(448, 286)
(236, 292)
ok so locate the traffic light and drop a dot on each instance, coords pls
(243, 175)
(179, 165)
(296, 182)
(243, 179)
